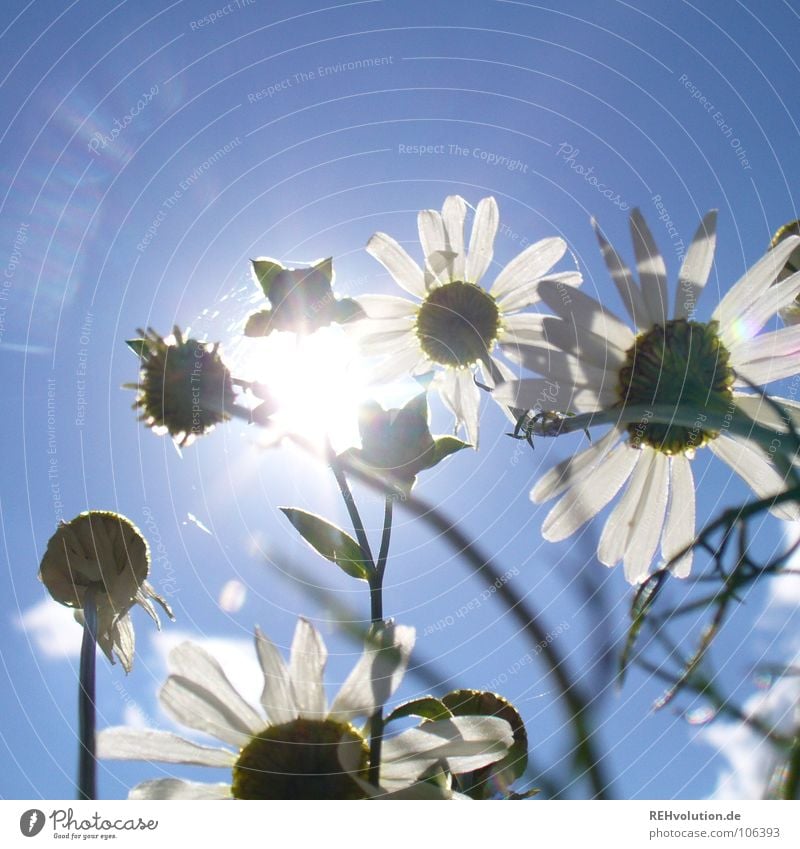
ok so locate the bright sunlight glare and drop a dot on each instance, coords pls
(318, 382)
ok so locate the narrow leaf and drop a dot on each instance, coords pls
(138, 346)
(427, 707)
(331, 542)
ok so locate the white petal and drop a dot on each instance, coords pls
(277, 698)
(433, 238)
(626, 286)
(534, 262)
(398, 365)
(776, 345)
(762, 477)
(522, 329)
(578, 308)
(744, 326)
(591, 494)
(124, 640)
(754, 283)
(306, 668)
(528, 293)
(173, 788)
(198, 707)
(388, 341)
(696, 267)
(765, 414)
(762, 372)
(615, 540)
(139, 744)
(481, 242)
(583, 344)
(387, 306)
(573, 470)
(193, 665)
(377, 674)
(465, 742)
(651, 268)
(561, 366)
(462, 397)
(398, 263)
(648, 520)
(679, 529)
(454, 211)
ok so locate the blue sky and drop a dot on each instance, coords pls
(149, 151)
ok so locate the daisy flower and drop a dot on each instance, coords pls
(597, 362)
(456, 326)
(297, 750)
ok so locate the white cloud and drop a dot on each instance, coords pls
(53, 629)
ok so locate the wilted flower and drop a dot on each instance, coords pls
(184, 387)
(105, 555)
(304, 748)
(301, 299)
(397, 444)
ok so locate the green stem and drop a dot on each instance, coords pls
(350, 504)
(87, 761)
(376, 599)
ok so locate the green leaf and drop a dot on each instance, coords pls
(259, 324)
(444, 446)
(266, 270)
(483, 783)
(138, 346)
(331, 542)
(427, 707)
(643, 600)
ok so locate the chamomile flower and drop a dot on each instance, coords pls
(597, 362)
(456, 326)
(302, 748)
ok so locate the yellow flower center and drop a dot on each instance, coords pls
(457, 324)
(682, 363)
(299, 760)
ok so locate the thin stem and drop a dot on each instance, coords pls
(350, 504)
(790, 786)
(87, 761)
(376, 600)
(586, 754)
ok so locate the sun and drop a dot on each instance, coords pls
(317, 381)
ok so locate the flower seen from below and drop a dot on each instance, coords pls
(301, 299)
(302, 747)
(397, 444)
(104, 554)
(184, 387)
(455, 326)
(597, 362)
